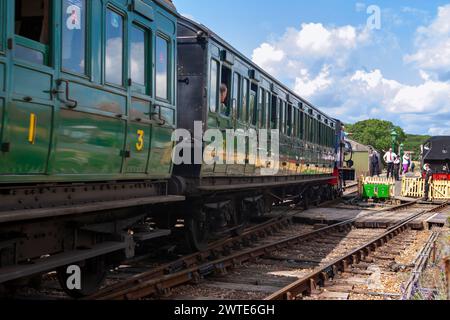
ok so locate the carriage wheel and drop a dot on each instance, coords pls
(197, 232)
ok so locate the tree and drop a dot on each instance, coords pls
(376, 133)
(413, 143)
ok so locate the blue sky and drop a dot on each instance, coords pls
(324, 50)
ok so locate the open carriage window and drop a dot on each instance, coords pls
(225, 92)
(32, 20)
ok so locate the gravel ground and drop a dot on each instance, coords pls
(387, 282)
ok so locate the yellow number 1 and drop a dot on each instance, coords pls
(32, 129)
(140, 143)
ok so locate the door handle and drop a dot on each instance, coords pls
(69, 102)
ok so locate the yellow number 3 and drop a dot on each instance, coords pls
(140, 143)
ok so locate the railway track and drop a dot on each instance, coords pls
(334, 273)
(249, 248)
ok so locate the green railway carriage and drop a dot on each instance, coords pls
(222, 194)
(87, 111)
(87, 90)
(90, 94)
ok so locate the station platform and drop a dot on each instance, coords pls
(372, 217)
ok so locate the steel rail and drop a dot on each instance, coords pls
(309, 283)
(420, 264)
(215, 249)
(156, 281)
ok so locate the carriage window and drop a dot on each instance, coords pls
(261, 108)
(236, 88)
(114, 48)
(274, 113)
(253, 108)
(289, 121)
(244, 106)
(267, 106)
(225, 92)
(74, 35)
(162, 68)
(295, 126)
(2, 5)
(137, 56)
(32, 28)
(282, 114)
(213, 86)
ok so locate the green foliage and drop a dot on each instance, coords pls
(413, 143)
(375, 133)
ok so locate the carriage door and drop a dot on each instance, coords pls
(163, 111)
(30, 112)
(139, 125)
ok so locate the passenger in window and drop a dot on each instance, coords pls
(223, 99)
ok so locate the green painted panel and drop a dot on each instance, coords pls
(140, 109)
(161, 151)
(32, 83)
(88, 144)
(98, 100)
(26, 156)
(1, 120)
(165, 24)
(2, 77)
(138, 143)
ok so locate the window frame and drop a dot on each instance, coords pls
(268, 98)
(87, 43)
(229, 114)
(44, 49)
(217, 85)
(260, 112)
(253, 114)
(118, 11)
(243, 117)
(145, 89)
(2, 26)
(236, 95)
(166, 38)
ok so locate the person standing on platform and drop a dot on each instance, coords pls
(397, 168)
(406, 163)
(374, 161)
(428, 181)
(389, 158)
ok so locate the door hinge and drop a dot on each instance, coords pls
(5, 147)
(10, 44)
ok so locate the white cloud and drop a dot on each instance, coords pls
(325, 65)
(266, 55)
(433, 46)
(308, 86)
(312, 43)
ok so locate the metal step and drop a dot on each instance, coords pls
(144, 236)
(53, 262)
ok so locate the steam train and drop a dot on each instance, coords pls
(90, 95)
(436, 152)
